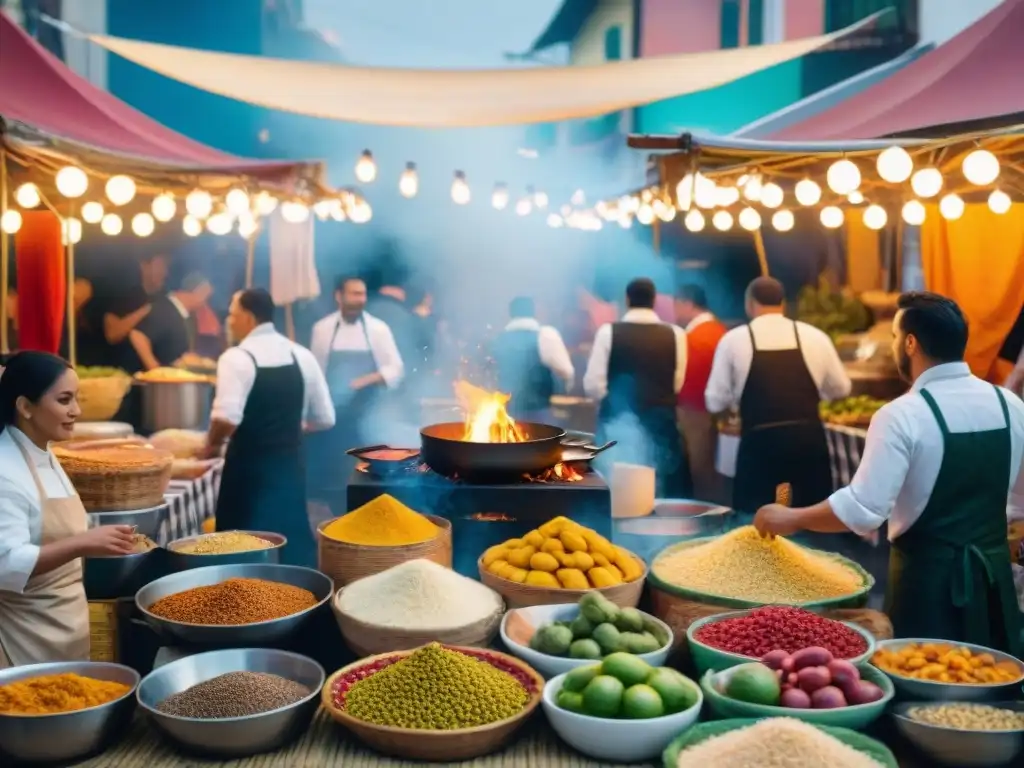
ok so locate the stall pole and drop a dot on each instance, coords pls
(4, 256)
(656, 236)
(762, 257)
(289, 322)
(250, 258)
(69, 257)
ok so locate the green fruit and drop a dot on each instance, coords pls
(577, 679)
(607, 636)
(597, 608)
(677, 694)
(641, 702)
(627, 668)
(647, 643)
(630, 620)
(581, 627)
(603, 696)
(569, 700)
(553, 640)
(654, 628)
(753, 683)
(584, 649)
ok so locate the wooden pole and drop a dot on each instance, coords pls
(656, 236)
(289, 322)
(4, 257)
(762, 257)
(69, 256)
(250, 258)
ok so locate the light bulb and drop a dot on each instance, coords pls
(499, 197)
(999, 201)
(164, 207)
(338, 210)
(752, 189)
(199, 203)
(807, 192)
(460, 189)
(247, 226)
(322, 209)
(875, 217)
(926, 182)
(409, 181)
(750, 219)
(366, 167)
(694, 221)
(219, 224)
(143, 224)
(92, 212)
(666, 212)
(626, 221)
(951, 207)
(980, 167)
(645, 214)
(832, 217)
(524, 206)
(771, 195)
(895, 165)
(266, 203)
(192, 226)
(72, 182)
(783, 220)
(27, 195)
(10, 222)
(111, 224)
(554, 220)
(843, 176)
(361, 212)
(913, 213)
(294, 213)
(237, 202)
(120, 190)
(726, 196)
(722, 220)
(704, 191)
(71, 231)
(855, 197)
(684, 192)
(540, 200)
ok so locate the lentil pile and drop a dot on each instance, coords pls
(224, 543)
(781, 628)
(436, 689)
(235, 601)
(382, 522)
(235, 694)
(969, 717)
(744, 566)
(419, 594)
(778, 742)
(50, 694)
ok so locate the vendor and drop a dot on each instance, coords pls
(942, 466)
(44, 532)
(775, 372)
(268, 390)
(169, 330)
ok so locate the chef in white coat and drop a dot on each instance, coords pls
(44, 531)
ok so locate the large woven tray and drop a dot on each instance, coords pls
(117, 478)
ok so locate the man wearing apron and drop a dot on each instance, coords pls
(776, 371)
(942, 466)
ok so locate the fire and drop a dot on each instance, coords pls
(487, 420)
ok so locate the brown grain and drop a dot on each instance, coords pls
(235, 601)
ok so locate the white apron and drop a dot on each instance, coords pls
(50, 620)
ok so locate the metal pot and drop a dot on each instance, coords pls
(445, 452)
(176, 405)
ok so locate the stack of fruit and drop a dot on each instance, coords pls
(627, 687)
(600, 628)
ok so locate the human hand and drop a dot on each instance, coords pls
(774, 520)
(107, 541)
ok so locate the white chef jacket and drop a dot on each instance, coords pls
(734, 355)
(901, 459)
(595, 380)
(21, 521)
(236, 375)
(351, 338)
(553, 353)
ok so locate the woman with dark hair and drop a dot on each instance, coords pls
(44, 531)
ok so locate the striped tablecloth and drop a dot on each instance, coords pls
(845, 446)
(191, 502)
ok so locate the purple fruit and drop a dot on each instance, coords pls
(864, 692)
(828, 697)
(774, 659)
(811, 679)
(794, 698)
(843, 673)
(814, 656)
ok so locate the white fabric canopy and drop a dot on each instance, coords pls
(457, 98)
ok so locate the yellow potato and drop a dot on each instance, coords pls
(499, 552)
(497, 566)
(543, 561)
(603, 577)
(534, 539)
(517, 575)
(542, 579)
(520, 558)
(552, 545)
(572, 578)
(573, 541)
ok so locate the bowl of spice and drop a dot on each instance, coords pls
(233, 703)
(110, 578)
(62, 712)
(936, 670)
(225, 548)
(378, 535)
(413, 604)
(439, 703)
(233, 605)
(964, 733)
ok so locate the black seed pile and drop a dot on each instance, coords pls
(235, 694)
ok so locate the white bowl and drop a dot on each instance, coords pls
(624, 741)
(549, 666)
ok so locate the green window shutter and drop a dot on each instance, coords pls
(613, 44)
(755, 22)
(730, 24)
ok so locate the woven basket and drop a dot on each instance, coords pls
(367, 639)
(104, 635)
(524, 595)
(346, 563)
(100, 399)
(106, 486)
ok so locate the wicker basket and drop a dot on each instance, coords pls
(434, 746)
(524, 595)
(101, 398)
(346, 563)
(105, 484)
(104, 635)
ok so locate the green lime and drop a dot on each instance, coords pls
(603, 697)
(626, 667)
(569, 701)
(677, 694)
(641, 702)
(577, 679)
(584, 649)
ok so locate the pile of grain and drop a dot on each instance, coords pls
(141, 544)
(223, 543)
(778, 742)
(382, 522)
(234, 694)
(419, 594)
(233, 602)
(112, 460)
(745, 566)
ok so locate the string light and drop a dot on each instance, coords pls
(645, 214)
(913, 213)
(752, 189)
(220, 223)
(875, 217)
(322, 209)
(266, 203)
(72, 182)
(294, 213)
(832, 217)
(684, 192)
(855, 197)
(895, 165)
(694, 221)
(460, 189)
(726, 196)
(980, 167)
(524, 206)
(843, 176)
(366, 167)
(783, 220)
(951, 207)
(92, 212)
(499, 197)
(999, 202)
(722, 221)
(199, 203)
(120, 190)
(555, 221)
(143, 224)
(237, 202)
(926, 182)
(11, 221)
(750, 219)
(360, 212)
(540, 200)
(111, 224)
(626, 221)
(666, 212)
(807, 192)
(192, 226)
(771, 195)
(164, 207)
(247, 226)
(71, 231)
(27, 195)
(704, 191)
(409, 181)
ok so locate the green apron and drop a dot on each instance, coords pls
(949, 574)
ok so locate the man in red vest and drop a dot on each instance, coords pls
(703, 332)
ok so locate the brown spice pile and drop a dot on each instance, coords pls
(235, 601)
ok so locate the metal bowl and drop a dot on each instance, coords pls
(110, 578)
(909, 688)
(180, 561)
(232, 737)
(952, 746)
(145, 521)
(233, 635)
(66, 737)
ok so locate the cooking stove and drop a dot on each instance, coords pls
(483, 514)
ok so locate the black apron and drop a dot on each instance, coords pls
(263, 487)
(782, 439)
(523, 375)
(949, 573)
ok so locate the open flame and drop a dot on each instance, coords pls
(487, 419)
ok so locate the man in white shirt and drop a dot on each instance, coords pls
(530, 359)
(269, 390)
(636, 369)
(776, 372)
(942, 466)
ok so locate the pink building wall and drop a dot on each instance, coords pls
(804, 18)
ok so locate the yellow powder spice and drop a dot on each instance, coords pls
(382, 522)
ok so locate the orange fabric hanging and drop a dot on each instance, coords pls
(42, 281)
(978, 261)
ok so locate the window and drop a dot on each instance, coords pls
(613, 44)
(755, 22)
(730, 24)
(843, 13)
